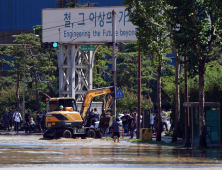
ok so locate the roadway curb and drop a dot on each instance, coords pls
(20, 133)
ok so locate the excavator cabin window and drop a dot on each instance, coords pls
(54, 105)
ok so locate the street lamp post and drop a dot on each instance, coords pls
(114, 56)
(139, 93)
(23, 104)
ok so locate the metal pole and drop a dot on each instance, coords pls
(114, 56)
(219, 128)
(187, 141)
(90, 71)
(73, 65)
(139, 94)
(192, 126)
(60, 63)
(59, 37)
(34, 35)
(23, 106)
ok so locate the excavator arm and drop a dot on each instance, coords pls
(91, 94)
(109, 98)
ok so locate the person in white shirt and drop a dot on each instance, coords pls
(164, 119)
(151, 121)
(17, 118)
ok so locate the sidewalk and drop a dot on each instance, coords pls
(3, 132)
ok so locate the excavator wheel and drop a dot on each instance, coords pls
(46, 133)
(67, 134)
(98, 134)
(49, 134)
(91, 133)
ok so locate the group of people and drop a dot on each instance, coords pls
(154, 121)
(29, 122)
(93, 117)
(129, 124)
(41, 116)
(12, 120)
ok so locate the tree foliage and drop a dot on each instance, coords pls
(151, 37)
(128, 70)
(100, 68)
(130, 102)
(195, 29)
(34, 62)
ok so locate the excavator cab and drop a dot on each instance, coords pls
(62, 104)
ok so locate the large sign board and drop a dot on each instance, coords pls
(86, 25)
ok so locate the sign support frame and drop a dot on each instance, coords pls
(114, 57)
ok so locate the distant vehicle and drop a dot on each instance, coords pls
(120, 115)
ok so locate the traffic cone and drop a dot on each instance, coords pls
(123, 135)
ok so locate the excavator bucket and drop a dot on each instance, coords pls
(106, 117)
(105, 122)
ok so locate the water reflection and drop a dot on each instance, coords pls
(31, 150)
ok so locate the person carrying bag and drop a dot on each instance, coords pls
(17, 118)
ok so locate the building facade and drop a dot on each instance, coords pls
(19, 16)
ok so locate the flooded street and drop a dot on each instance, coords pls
(32, 151)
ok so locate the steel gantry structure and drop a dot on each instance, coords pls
(75, 70)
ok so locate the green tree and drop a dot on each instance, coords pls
(36, 66)
(74, 4)
(151, 37)
(53, 85)
(130, 102)
(195, 29)
(6, 77)
(99, 68)
(19, 53)
(128, 70)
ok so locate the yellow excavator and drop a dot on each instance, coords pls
(68, 122)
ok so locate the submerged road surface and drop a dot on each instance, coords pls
(25, 152)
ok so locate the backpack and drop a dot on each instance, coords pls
(20, 118)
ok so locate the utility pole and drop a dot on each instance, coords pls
(139, 94)
(23, 104)
(187, 136)
(114, 57)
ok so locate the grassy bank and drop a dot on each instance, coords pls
(109, 138)
(173, 144)
(156, 142)
(209, 149)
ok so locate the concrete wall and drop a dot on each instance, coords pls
(97, 105)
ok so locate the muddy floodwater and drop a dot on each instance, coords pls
(34, 151)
